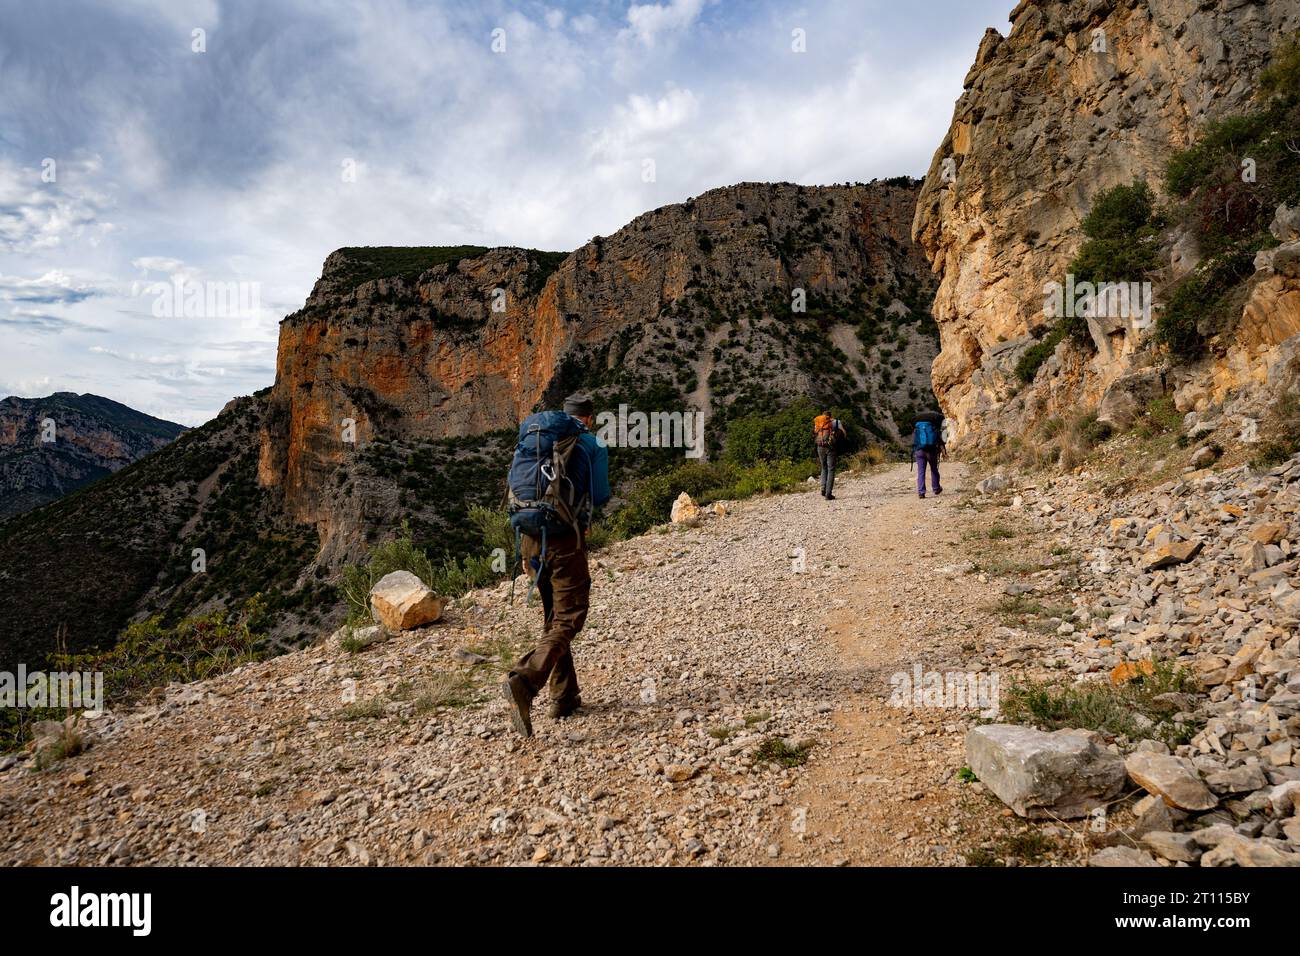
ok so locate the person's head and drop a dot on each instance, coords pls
(581, 407)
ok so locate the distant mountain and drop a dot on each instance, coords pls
(123, 548)
(51, 446)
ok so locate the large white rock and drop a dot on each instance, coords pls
(401, 601)
(1041, 775)
(1286, 224)
(685, 510)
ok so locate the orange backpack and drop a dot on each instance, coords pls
(824, 431)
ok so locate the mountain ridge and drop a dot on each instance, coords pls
(54, 444)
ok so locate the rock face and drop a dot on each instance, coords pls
(1041, 775)
(90, 437)
(401, 601)
(689, 304)
(1079, 96)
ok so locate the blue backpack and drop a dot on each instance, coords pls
(926, 437)
(550, 485)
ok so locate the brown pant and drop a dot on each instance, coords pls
(565, 587)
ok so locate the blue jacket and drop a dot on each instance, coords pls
(597, 462)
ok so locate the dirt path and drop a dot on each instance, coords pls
(708, 652)
(881, 789)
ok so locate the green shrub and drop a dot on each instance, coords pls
(776, 750)
(1219, 205)
(765, 477)
(1123, 236)
(1094, 432)
(398, 554)
(1104, 707)
(650, 500)
(493, 525)
(1282, 77)
(150, 654)
(450, 576)
(1158, 418)
(784, 435)
(1204, 303)
(1038, 353)
(1281, 431)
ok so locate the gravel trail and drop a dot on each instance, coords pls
(772, 630)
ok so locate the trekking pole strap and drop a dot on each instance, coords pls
(541, 563)
(514, 564)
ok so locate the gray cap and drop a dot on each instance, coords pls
(579, 404)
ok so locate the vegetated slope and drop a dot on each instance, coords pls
(84, 566)
(690, 306)
(53, 445)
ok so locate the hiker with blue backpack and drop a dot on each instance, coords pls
(559, 476)
(927, 447)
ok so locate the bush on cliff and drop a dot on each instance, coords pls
(1122, 244)
(1038, 353)
(1225, 189)
(1123, 236)
(151, 653)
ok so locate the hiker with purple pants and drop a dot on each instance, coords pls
(927, 447)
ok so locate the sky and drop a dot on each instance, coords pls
(174, 172)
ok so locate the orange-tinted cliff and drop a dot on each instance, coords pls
(694, 298)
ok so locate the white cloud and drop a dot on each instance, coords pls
(648, 21)
(226, 166)
(36, 215)
(54, 286)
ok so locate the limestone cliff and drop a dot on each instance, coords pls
(688, 306)
(1079, 96)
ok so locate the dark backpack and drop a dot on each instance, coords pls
(926, 436)
(550, 486)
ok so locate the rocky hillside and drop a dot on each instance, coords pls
(690, 306)
(1138, 655)
(1179, 601)
(77, 571)
(51, 446)
(1081, 96)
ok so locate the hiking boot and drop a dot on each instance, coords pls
(921, 496)
(938, 492)
(830, 497)
(520, 700)
(561, 709)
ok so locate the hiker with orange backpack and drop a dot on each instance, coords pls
(559, 476)
(927, 446)
(826, 432)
